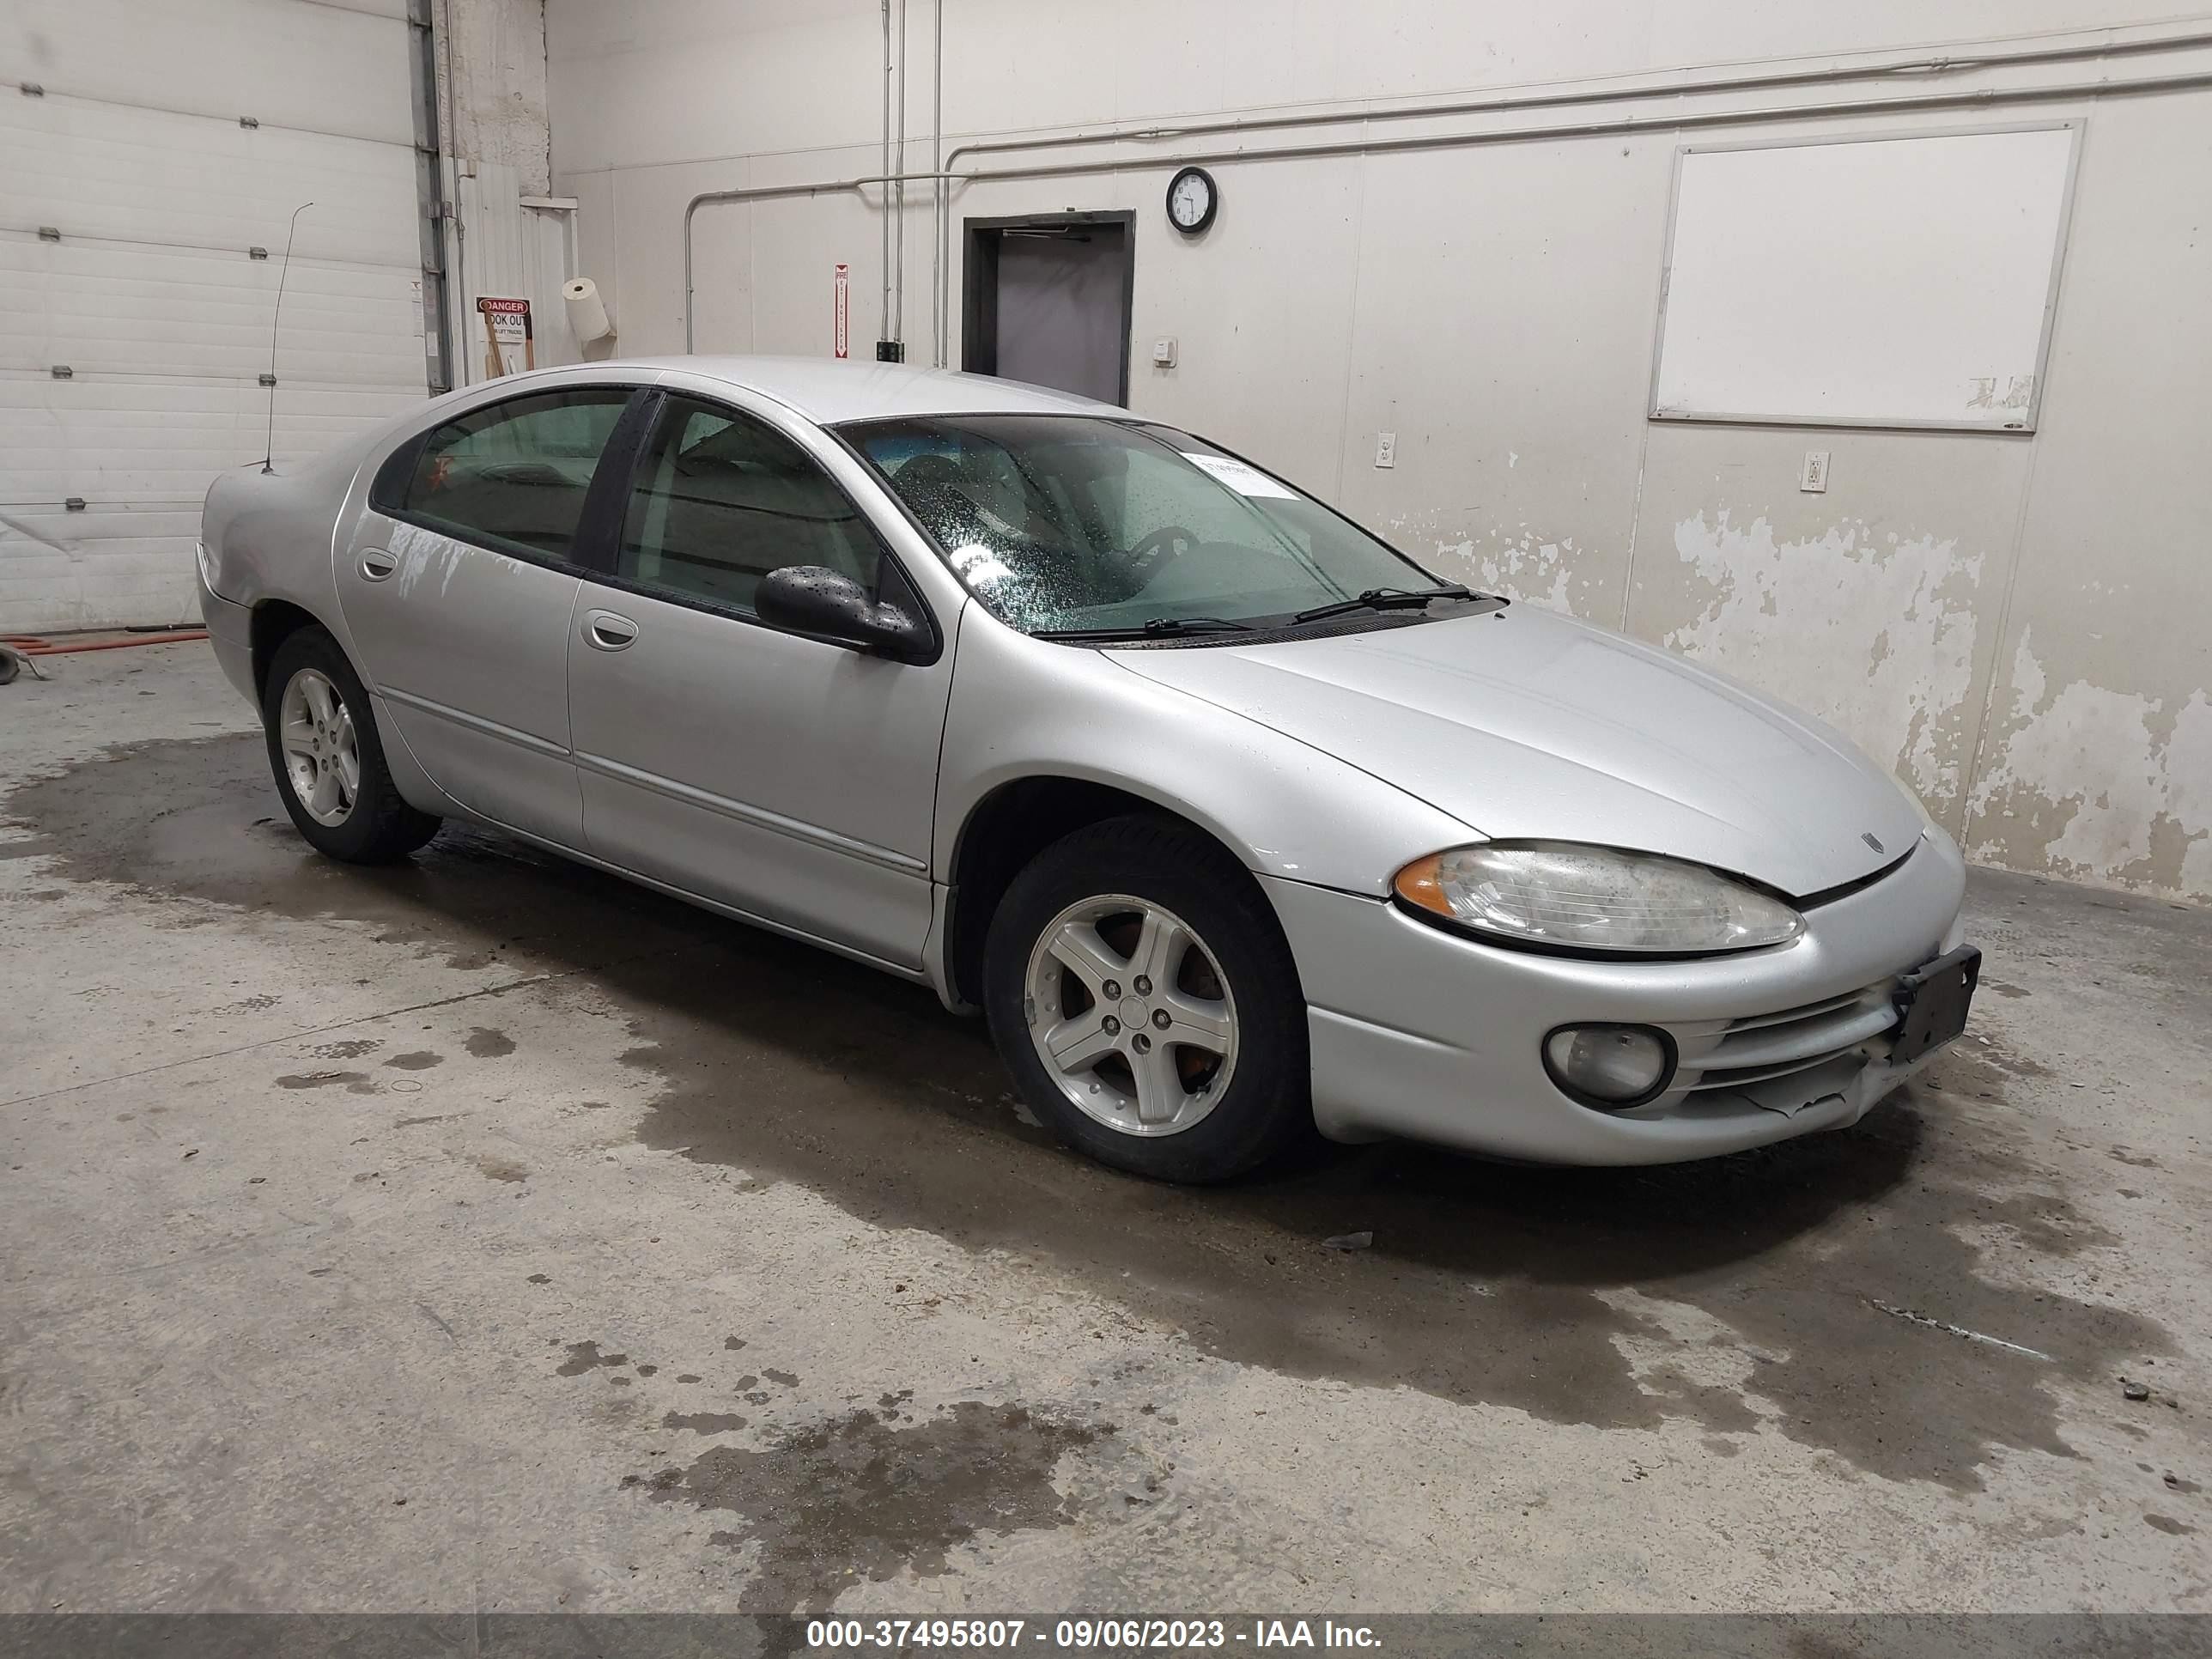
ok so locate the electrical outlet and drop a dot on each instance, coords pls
(1386, 449)
(1814, 478)
(1163, 352)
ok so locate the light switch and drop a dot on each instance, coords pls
(1386, 449)
(1815, 478)
(1163, 352)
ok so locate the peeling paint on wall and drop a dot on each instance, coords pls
(1872, 631)
(2085, 781)
(1522, 566)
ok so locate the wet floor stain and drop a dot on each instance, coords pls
(485, 1043)
(1485, 1283)
(501, 1168)
(585, 1356)
(704, 1422)
(1520, 1288)
(353, 1081)
(860, 1498)
(420, 1060)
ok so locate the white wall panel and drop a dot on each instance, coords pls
(282, 61)
(148, 176)
(136, 155)
(124, 308)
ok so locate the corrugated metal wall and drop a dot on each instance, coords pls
(153, 192)
(515, 251)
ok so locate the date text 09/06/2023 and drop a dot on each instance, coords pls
(1111, 1635)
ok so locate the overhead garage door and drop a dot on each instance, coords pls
(146, 152)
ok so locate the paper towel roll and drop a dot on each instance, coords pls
(587, 312)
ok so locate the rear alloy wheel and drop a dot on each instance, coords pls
(328, 758)
(322, 751)
(1143, 995)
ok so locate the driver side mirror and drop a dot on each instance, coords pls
(812, 598)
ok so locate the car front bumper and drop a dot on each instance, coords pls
(1431, 1035)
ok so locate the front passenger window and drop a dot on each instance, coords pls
(722, 499)
(517, 473)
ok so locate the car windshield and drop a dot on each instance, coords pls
(1071, 524)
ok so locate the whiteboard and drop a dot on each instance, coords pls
(1896, 280)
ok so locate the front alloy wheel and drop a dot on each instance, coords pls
(1127, 1011)
(322, 752)
(1142, 993)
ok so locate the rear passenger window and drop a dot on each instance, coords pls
(516, 474)
(721, 500)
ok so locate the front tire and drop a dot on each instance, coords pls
(1139, 989)
(329, 759)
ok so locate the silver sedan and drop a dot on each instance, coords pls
(1233, 821)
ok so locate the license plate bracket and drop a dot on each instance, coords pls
(1931, 1003)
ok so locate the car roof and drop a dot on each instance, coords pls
(826, 390)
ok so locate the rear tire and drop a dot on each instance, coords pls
(328, 758)
(1195, 1070)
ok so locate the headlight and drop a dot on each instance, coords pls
(1595, 898)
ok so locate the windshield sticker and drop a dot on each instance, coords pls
(1244, 480)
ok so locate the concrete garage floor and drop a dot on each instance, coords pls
(486, 1233)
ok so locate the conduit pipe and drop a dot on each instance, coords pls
(937, 190)
(884, 329)
(457, 363)
(1676, 122)
(898, 223)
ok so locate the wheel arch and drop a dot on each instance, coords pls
(1014, 821)
(273, 622)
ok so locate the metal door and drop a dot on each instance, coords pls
(469, 648)
(1049, 302)
(792, 780)
(458, 586)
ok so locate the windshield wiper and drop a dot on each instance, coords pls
(1384, 599)
(1195, 625)
(1156, 627)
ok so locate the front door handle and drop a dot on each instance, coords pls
(605, 631)
(376, 564)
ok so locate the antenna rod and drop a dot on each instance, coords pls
(269, 452)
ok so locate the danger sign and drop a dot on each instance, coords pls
(507, 322)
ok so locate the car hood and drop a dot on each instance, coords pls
(1526, 725)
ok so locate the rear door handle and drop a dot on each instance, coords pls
(603, 631)
(376, 564)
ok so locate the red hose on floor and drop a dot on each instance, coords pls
(31, 644)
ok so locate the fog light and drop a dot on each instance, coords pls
(1610, 1066)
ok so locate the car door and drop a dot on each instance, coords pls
(789, 778)
(459, 587)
